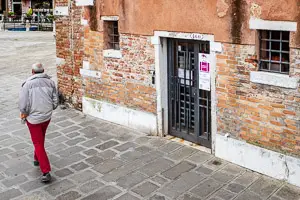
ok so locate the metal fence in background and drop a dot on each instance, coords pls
(20, 23)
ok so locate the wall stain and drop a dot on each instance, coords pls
(93, 22)
(298, 26)
(237, 19)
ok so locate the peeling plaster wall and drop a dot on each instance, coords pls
(230, 16)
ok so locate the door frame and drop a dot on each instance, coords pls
(159, 40)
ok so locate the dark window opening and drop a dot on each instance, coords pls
(275, 51)
(113, 37)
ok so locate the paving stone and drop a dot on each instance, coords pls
(159, 180)
(53, 158)
(4, 137)
(157, 197)
(91, 186)
(75, 141)
(89, 132)
(108, 165)
(58, 119)
(214, 198)
(264, 186)
(122, 171)
(235, 188)
(90, 152)
(149, 157)
(233, 169)
(84, 176)
(71, 129)
(14, 181)
(18, 169)
(105, 193)
(156, 166)
(274, 198)
(59, 139)
(65, 123)
(224, 194)
(4, 151)
(157, 142)
(145, 189)
(94, 160)
(246, 179)
(53, 135)
(127, 196)
(131, 180)
(68, 160)
(143, 149)
(32, 185)
(70, 151)
(206, 188)
(189, 197)
(131, 155)
(142, 140)
(107, 145)
(289, 193)
(16, 161)
(204, 170)
(52, 127)
(10, 141)
(3, 158)
(79, 166)
(69, 195)
(182, 153)
(248, 195)
(9, 194)
(177, 170)
(72, 135)
(38, 195)
(92, 142)
(20, 146)
(181, 185)
(34, 173)
(63, 172)
(107, 154)
(125, 146)
(222, 177)
(59, 187)
(169, 147)
(56, 148)
(17, 154)
(215, 164)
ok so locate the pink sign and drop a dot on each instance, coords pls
(204, 66)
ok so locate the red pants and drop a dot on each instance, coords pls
(38, 132)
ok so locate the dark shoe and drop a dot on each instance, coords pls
(46, 178)
(36, 163)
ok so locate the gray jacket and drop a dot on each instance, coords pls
(38, 98)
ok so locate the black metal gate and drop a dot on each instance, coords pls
(189, 107)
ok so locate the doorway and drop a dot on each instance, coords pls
(189, 107)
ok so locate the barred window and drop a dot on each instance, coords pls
(274, 51)
(113, 35)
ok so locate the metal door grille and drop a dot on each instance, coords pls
(189, 117)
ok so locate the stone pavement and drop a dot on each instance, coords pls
(96, 160)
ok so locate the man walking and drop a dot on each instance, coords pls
(38, 98)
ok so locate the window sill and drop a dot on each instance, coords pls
(111, 53)
(280, 80)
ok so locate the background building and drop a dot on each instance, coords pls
(222, 74)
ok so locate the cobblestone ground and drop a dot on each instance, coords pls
(97, 160)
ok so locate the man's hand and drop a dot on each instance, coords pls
(22, 115)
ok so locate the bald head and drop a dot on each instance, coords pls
(37, 68)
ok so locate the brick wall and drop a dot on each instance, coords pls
(69, 50)
(264, 115)
(124, 81)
